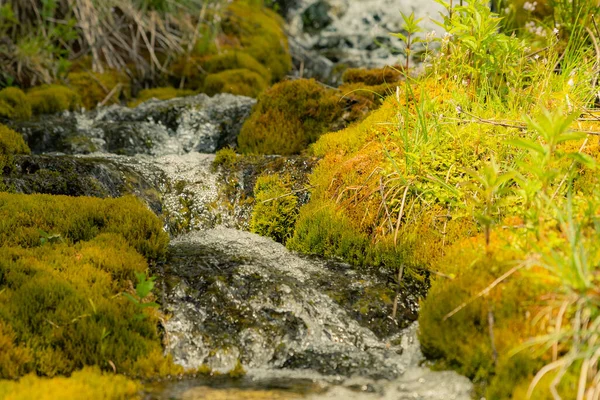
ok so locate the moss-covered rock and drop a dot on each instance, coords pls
(241, 82)
(236, 60)
(64, 263)
(23, 216)
(95, 88)
(162, 93)
(288, 117)
(276, 208)
(372, 77)
(14, 104)
(11, 143)
(260, 33)
(51, 99)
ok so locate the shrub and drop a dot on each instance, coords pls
(94, 88)
(288, 117)
(163, 93)
(89, 383)
(79, 218)
(14, 104)
(276, 208)
(52, 99)
(241, 82)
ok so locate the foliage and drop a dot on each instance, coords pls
(52, 99)
(89, 383)
(241, 82)
(276, 208)
(288, 117)
(14, 104)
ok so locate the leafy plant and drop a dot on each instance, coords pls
(143, 289)
(411, 27)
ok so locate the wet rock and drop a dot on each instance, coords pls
(239, 293)
(316, 16)
(177, 126)
(77, 176)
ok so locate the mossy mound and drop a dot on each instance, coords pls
(96, 88)
(14, 104)
(372, 77)
(236, 60)
(64, 264)
(162, 93)
(89, 383)
(260, 34)
(23, 216)
(288, 117)
(276, 208)
(241, 82)
(51, 99)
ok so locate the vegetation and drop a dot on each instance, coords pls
(14, 104)
(242, 82)
(163, 93)
(52, 99)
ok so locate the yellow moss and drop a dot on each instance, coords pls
(241, 82)
(163, 93)
(260, 33)
(52, 99)
(94, 88)
(236, 60)
(88, 383)
(11, 142)
(14, 104)
(275, 210)
(372, 77)
(22, 216)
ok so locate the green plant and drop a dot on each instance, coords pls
(143, 288)
(411, 27)
(241, 82)
(14, 104)
(52, 99)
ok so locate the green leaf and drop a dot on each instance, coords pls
(528, 145)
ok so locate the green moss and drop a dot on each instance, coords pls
(236, 60)
(22, 216)
(241, 82)
(163, 93)
(276, 208)
(88, 383)
(260, 34)
(52, 99)
(288, 117)
(14, 104)
(94, 88)
(372, 77)
(10, 143)
(226, 158)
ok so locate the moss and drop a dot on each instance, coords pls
(88, 383)
(11, 143)
(288, 117)
(372, 77)
(94, 88)
(241, 82)
(22, 216)
(163, 93)
(236, 60)
(275, 210)
(225, 158)
(14, 104)
(260, 34)
(52, 99)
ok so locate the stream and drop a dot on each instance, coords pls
(299, 326)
